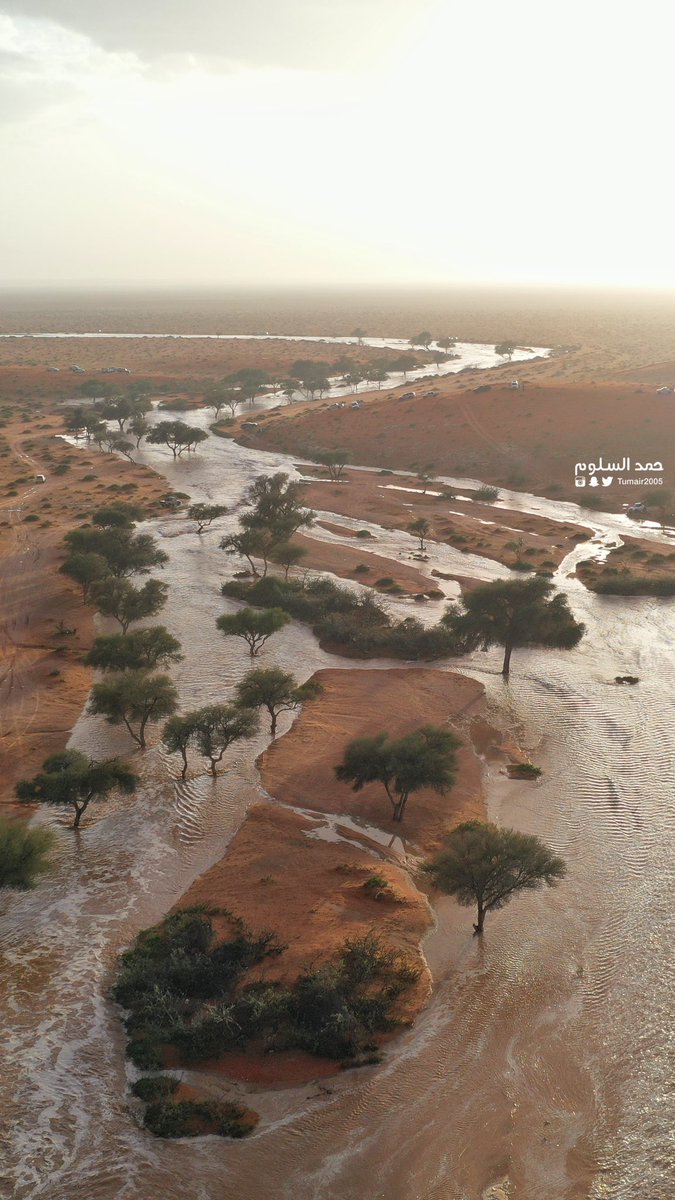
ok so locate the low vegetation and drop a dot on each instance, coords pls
(346, 621)
(24, 854)
(183, 985)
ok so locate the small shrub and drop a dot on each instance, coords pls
(154, 1087)
(486, 493)
(194, 1118)
(376, 883)
(361, 569)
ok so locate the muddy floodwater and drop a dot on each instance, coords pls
(540, 1069)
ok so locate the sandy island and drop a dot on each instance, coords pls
(311, 865)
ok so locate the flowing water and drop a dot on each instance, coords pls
(539, 1070)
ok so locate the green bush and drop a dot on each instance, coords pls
(154, 1087)
(357, 624)
(180, 988)
(486, 493)
(23, 854)
(194, 1118)
(631, 585)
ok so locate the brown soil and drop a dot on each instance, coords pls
(277, 863)
(43, 684)
(481, 429)
(343, 561)
(469, 525)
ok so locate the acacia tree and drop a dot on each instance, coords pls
(178, 436)
(217, 726)
(505, 350)
(73, 779)
(125, 552)
(250, 381)
(139, 427)
(288, 555)
(23, 854)
(250, 544)
(275, 690)
(422, 339)
(447, 343)
(423, 758)
(421, 529)
(514, 613)
(85, 569)
(205, 514)
(132, 699)
(336, 461)
(177, 735)
(486, 866)
(142, 650)
(119, 598)
(253, 625)
(276, 505)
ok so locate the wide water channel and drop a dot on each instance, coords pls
(539, 1070)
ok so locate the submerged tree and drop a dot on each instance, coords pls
(178, 436)
(421, 529)
(132, 699)
(487, 866)
(217, 726)
(513, 613)
(177, 735)
(254, 626)
(205, 514)
(423, 758)
(275, 690)
(73, 779)
(24, 854)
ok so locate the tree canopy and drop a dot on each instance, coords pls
(275, 690)
(119, 598)
(142, 650)
(216, 726)
(423, 758)
(24, 854)
(178, 436)
(484, 865)
(86, 569)
(205, 514)
(255, 626)
(132, 699)
(125, 552)
(73, 779)
(514, 613)
(421, 529)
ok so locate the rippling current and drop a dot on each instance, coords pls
(539, 1070)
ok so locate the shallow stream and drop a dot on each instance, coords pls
(539, 1070)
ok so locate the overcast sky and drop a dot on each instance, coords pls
(346, 141)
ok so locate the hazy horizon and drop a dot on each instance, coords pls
(350, 144)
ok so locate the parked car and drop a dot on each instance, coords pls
(54, 370)
(41, 479)
(408, 396)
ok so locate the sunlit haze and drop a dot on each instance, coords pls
(346, 142)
